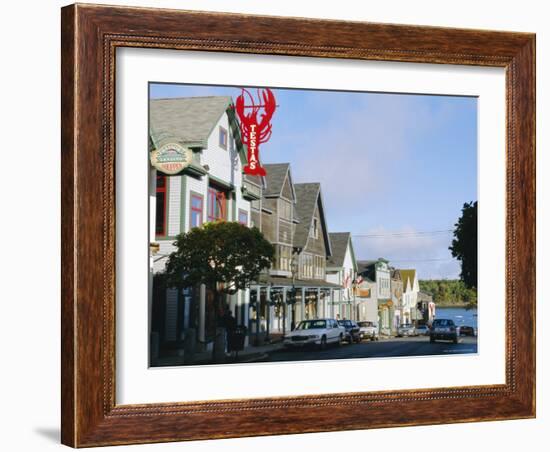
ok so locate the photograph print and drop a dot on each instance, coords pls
(297, 225)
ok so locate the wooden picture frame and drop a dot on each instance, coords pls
(90, 36)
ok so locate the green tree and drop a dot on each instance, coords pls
(449, 292)
(470, 297)
(224, 256)
(464, 245)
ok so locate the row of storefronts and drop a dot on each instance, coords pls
(315, 273)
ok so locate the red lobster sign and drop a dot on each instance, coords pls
(254, 131)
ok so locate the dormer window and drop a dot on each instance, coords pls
(223, 138)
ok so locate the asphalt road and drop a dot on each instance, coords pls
(392, 347)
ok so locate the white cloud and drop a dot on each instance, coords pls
(427, 253)
(359, 147)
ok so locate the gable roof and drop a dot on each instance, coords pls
(275, 178)
(257, 180)
(395, 273)
(308, 196)
(339, 244)
(408, 277)
(185, 120)
(276, 175)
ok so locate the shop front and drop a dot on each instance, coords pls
(278, 305)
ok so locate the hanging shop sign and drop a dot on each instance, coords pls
(254, 130)
(171, 158)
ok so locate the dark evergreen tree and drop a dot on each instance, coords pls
(464, 245)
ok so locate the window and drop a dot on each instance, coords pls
(314, 233)
(307, 266)
(312, 325)
(195, 216)
(216, 204)
(160, 220)
(223, 138)
(285, 232)
(243, 217)
(319, 267)
(285, 209)
(285, 258)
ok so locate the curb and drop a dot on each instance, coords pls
(252, 358)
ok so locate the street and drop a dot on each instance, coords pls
(390, 347)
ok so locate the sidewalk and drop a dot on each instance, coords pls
(249, 354)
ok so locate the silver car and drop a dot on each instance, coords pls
(368, 330)
(422, 330)
(405, 329)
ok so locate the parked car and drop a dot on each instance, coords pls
(368, 330)
(466, 330)
(352, 331)
(444, 329)
(422, 330)
(320, 332)
(405, 329)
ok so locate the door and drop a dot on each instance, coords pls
(335, 331)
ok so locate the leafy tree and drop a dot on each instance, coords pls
(470, 298)
(449, 292)
(464, 245)
(224, 256)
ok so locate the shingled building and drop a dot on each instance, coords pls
(295, 288)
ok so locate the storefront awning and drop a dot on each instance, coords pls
(278, 281)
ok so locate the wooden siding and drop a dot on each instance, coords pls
(286, 191)
(269, 221)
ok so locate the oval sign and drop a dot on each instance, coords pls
(171, 158)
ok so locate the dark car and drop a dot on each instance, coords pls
(353, 333)
(466, 330)
(444, 329)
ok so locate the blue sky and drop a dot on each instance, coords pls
(393, 167)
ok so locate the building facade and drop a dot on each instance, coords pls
(342, 271)
(295, 288)
(366, 299)
(314, 273)
(425, 309)
(410, 294)
(211, 188)
(396, 298)
(379, 272)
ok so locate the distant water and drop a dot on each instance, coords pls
(460, 316)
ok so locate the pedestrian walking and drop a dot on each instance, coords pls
(229, 323)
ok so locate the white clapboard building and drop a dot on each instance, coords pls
(209, 189)
(342, 271)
